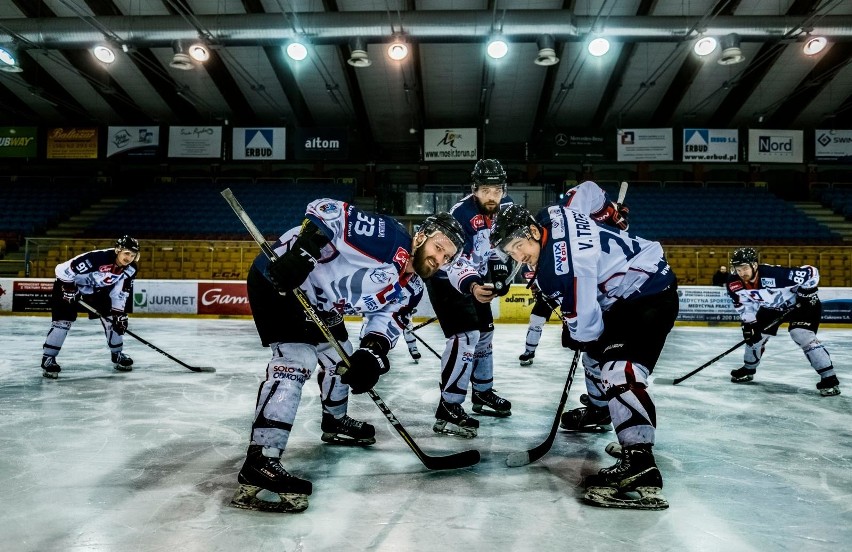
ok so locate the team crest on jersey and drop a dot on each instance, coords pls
(557, 228)
(379, 276)
(478, 222)
(328, 210)
(767, 282)
(560, 257)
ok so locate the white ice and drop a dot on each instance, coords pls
(147, 461)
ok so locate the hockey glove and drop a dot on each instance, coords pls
(614, 214)
(498, 273)
(70, 293)
(366, 365)
(119, 322)
(807, 297)
(570, 343)
(751, 333)
(288, 271)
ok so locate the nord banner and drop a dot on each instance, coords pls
(775, 146)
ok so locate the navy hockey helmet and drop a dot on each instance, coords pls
(744, 255)
(488, 172)
(447, 225)
(126, 242)
(512, 222)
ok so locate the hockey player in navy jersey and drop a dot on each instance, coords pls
(104, 278)
(761, 293)
(460, 296)
(347, 262)
(618, 300)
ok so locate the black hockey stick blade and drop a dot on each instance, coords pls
(522, 458)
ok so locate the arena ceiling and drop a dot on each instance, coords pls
(650, 77)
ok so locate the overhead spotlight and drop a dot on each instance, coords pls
(599, 47)
(398, 50)
(9, 60)
(814, 46)
(705, 45)
(497, 48)
(546, 51)
(297, 51)
(181, 59)
(731, 53)
(199, 52)
(104, 54)
(358, 57)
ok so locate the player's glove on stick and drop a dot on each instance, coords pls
(807, 297)
(366, 365)
(571, 343)
(751, 333)
(498, 273)
(70, 293)
(119, 322)
(288, 271)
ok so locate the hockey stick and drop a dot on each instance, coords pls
(418, 326)
(453, 461)
(418, 338)
(92, 310)
(622, 192)
(675, 381)
(517, 459)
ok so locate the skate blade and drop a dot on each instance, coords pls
(744, 379)
(643, 498)
(50, 375)
(338, 439)
(246, 498)
(588, 429)
(526, 363)
(488, 411)
(831, 392)
(452, 429)
(120, 368)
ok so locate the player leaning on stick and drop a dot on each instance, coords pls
(760, 294)
(346, 262)
(618, 298)
(104, 278)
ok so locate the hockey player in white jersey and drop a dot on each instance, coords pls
(104, 278)
(761, 293)
(618, 299)
(347, 262)
(460, 296)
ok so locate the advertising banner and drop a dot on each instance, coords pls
(165, 296)
(455, 144)
(321, 143)
(133, 141)
(644, 144)
(255, 144)
(5, 294)
(18, 142)
(72, 143)
(31, 296)
(195, 141)
(833, 145)
(775, 146)
(580, 144)
(223, 298)
(710, 145)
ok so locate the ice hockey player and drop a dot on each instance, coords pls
(586, 197)
(104, 279)
(761, 293)
(618, 299)
(460, 296)
(346, 262)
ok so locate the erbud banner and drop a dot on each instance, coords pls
(775, 146)
(195, 141)
(133, 141)
(644, 144)
(711, 145)
(451, 144)
(72, 143)
(18, 142)
(255, 144)
(833, 145)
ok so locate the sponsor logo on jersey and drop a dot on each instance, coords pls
(478, 222)
(735, 286)
(401, 257)
(560, 257)
(767, 282)
(370, 303)
(379, 276)
(557, 228)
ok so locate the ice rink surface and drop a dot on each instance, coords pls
(147, 461)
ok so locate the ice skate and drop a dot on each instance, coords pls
(415, 354)
(453, 420)
(828, 387)
(347, 431)
(266, 476)
(633, 482)
(742, 375)
(486, 402)
(122, 362)
(50, 369)
(587, 419)
(527, 358)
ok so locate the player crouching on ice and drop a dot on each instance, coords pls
(347, 262)
(760, 294)
(618, 298)
(104, 278)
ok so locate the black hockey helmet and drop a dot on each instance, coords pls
(488, 172)
(447, 225)
(512, 222)
(126, 242)
(744, 255)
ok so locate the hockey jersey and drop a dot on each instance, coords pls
(775, 288)
(586, 267)
(588, 197)
(472, 264)
(362, 268)
(97, 270)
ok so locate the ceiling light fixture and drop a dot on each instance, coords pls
(815, 45)
(297, 51)
(398, 50)
(358, 56)
(546, 51)
(497, 48)
(104, 54)
(731, 53)
(599, 47)
(181, 59)
(705, 45)
(199, 52)
(9, 60)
